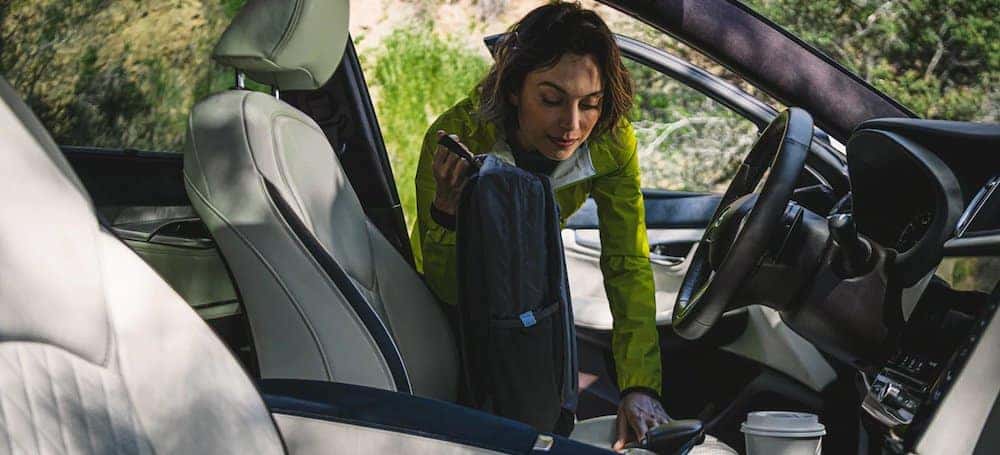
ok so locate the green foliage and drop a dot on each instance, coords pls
(416, 76)
(117, 74)
(940, 58)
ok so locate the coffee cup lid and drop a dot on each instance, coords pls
(783, 424)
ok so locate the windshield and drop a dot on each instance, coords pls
(940, 59)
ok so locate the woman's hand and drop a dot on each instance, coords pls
(637, 414)
(450, 173)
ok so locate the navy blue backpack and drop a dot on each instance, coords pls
(515, 321)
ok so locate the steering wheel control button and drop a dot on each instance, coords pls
(789, 433)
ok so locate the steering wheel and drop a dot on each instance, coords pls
(712, 279)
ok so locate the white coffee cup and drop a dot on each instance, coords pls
(783, 433)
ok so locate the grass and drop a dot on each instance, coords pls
(416, 76)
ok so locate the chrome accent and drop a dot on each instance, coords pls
(275, 93)
(976, 205)
(874, 405)
(543, 443)
(241, 80)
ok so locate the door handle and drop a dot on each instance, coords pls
(183, 233)
(665, 260)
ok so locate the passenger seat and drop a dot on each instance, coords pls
(326, 295)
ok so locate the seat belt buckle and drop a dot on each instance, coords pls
(528, 319)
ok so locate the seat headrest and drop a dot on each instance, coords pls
(288, 44)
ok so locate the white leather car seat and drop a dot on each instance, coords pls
(97, 353)
(327, 296)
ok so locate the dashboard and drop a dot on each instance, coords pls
(916, 185)
(904, 394)
(905, 198)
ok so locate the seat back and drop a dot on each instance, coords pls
(97, 353)
(327, 296)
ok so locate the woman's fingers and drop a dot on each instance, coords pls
(449, 168)
(639, 426)
(622, 439)
(458, 169)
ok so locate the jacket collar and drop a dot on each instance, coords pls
(585, 162)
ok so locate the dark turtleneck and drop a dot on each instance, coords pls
(530, 160)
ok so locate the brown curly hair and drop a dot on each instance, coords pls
(537, 42)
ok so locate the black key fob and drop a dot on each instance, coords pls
(456, 148)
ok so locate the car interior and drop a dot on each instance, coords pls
(257, 293)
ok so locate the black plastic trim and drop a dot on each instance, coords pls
(986, 245)
(126, 177)
(380, 334)
(408, 414)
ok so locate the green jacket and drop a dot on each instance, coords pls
(605, 168)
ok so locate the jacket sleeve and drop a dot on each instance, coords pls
(433, 244)
(628, 277)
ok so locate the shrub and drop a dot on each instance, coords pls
(417, 75)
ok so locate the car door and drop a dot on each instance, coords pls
(140, 196)
(693, 130)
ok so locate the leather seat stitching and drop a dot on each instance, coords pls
(195, 154)
(12, 444)
(279, 163)
(56, 400)
(274, 274)
(39, 435)
(303, 213)
(305, 252)
(86, 420)
(298, 242)
(287, 33)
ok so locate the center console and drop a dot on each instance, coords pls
(904, 394)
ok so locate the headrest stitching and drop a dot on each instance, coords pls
(286, 36)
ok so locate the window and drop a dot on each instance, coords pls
(686, 140)
(970, 273)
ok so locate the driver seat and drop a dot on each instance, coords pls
(327, 296)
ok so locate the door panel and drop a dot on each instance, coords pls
(674, 222)
(141, 197)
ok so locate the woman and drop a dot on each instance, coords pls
(555, 102)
